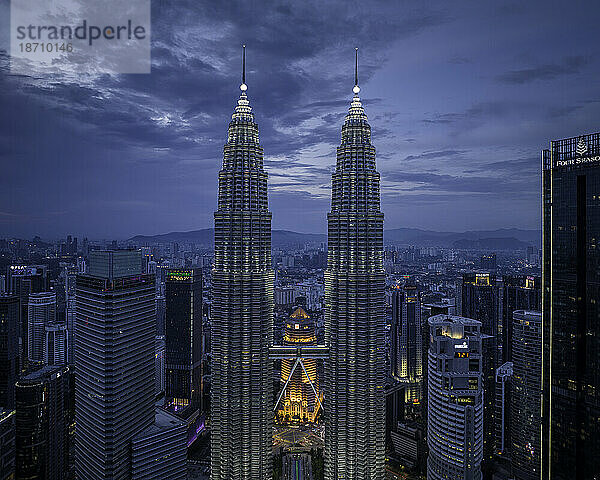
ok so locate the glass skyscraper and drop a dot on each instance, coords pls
(354, 310)
(114, 361)
(242, 309)
(571, 309)
(525, 394)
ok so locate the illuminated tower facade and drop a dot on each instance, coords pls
(299, 403)
(407, 341)
(242, 309)
(354, 309)
(455, 403)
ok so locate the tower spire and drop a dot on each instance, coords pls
(243, 86)
(356, 88)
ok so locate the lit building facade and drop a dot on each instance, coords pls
(299, 403)
(571, 308)
(455, 399)
(242, 309)
(183, 337)
(407, 341)
(114, 360)
(355, 310)
(23, 280)
(525, 395)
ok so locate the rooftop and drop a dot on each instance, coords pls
(444, 319)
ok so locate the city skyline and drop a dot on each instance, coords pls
(196, 281)
(458, 125)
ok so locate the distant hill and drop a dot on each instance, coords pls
(205, 237)
(491, 244)
(502, 239)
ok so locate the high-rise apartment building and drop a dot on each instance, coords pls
(355, 309)
(455, 399)
(407, 341)
(525, 394)
(242, 309)
(41, 424)
(9, 349)
(183, 337)
(570, 309)
(114, 361)
(41, 311)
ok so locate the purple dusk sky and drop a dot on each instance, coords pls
(461, 97)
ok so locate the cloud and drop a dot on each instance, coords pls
(435, 155)
(569, 66)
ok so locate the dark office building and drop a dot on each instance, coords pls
(42, 425)
(114, 361)
(394, 408)
(9, 349)
(480, 300)
(7, 444)
(183, 332)
(519, 292)
(21, 281)
(571, 309)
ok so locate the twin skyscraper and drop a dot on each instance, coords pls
(242, 312)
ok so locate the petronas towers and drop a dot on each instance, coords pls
(354, 309)
(242, 309)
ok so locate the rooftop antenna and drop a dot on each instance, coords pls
(243, 86)
(356, 88)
